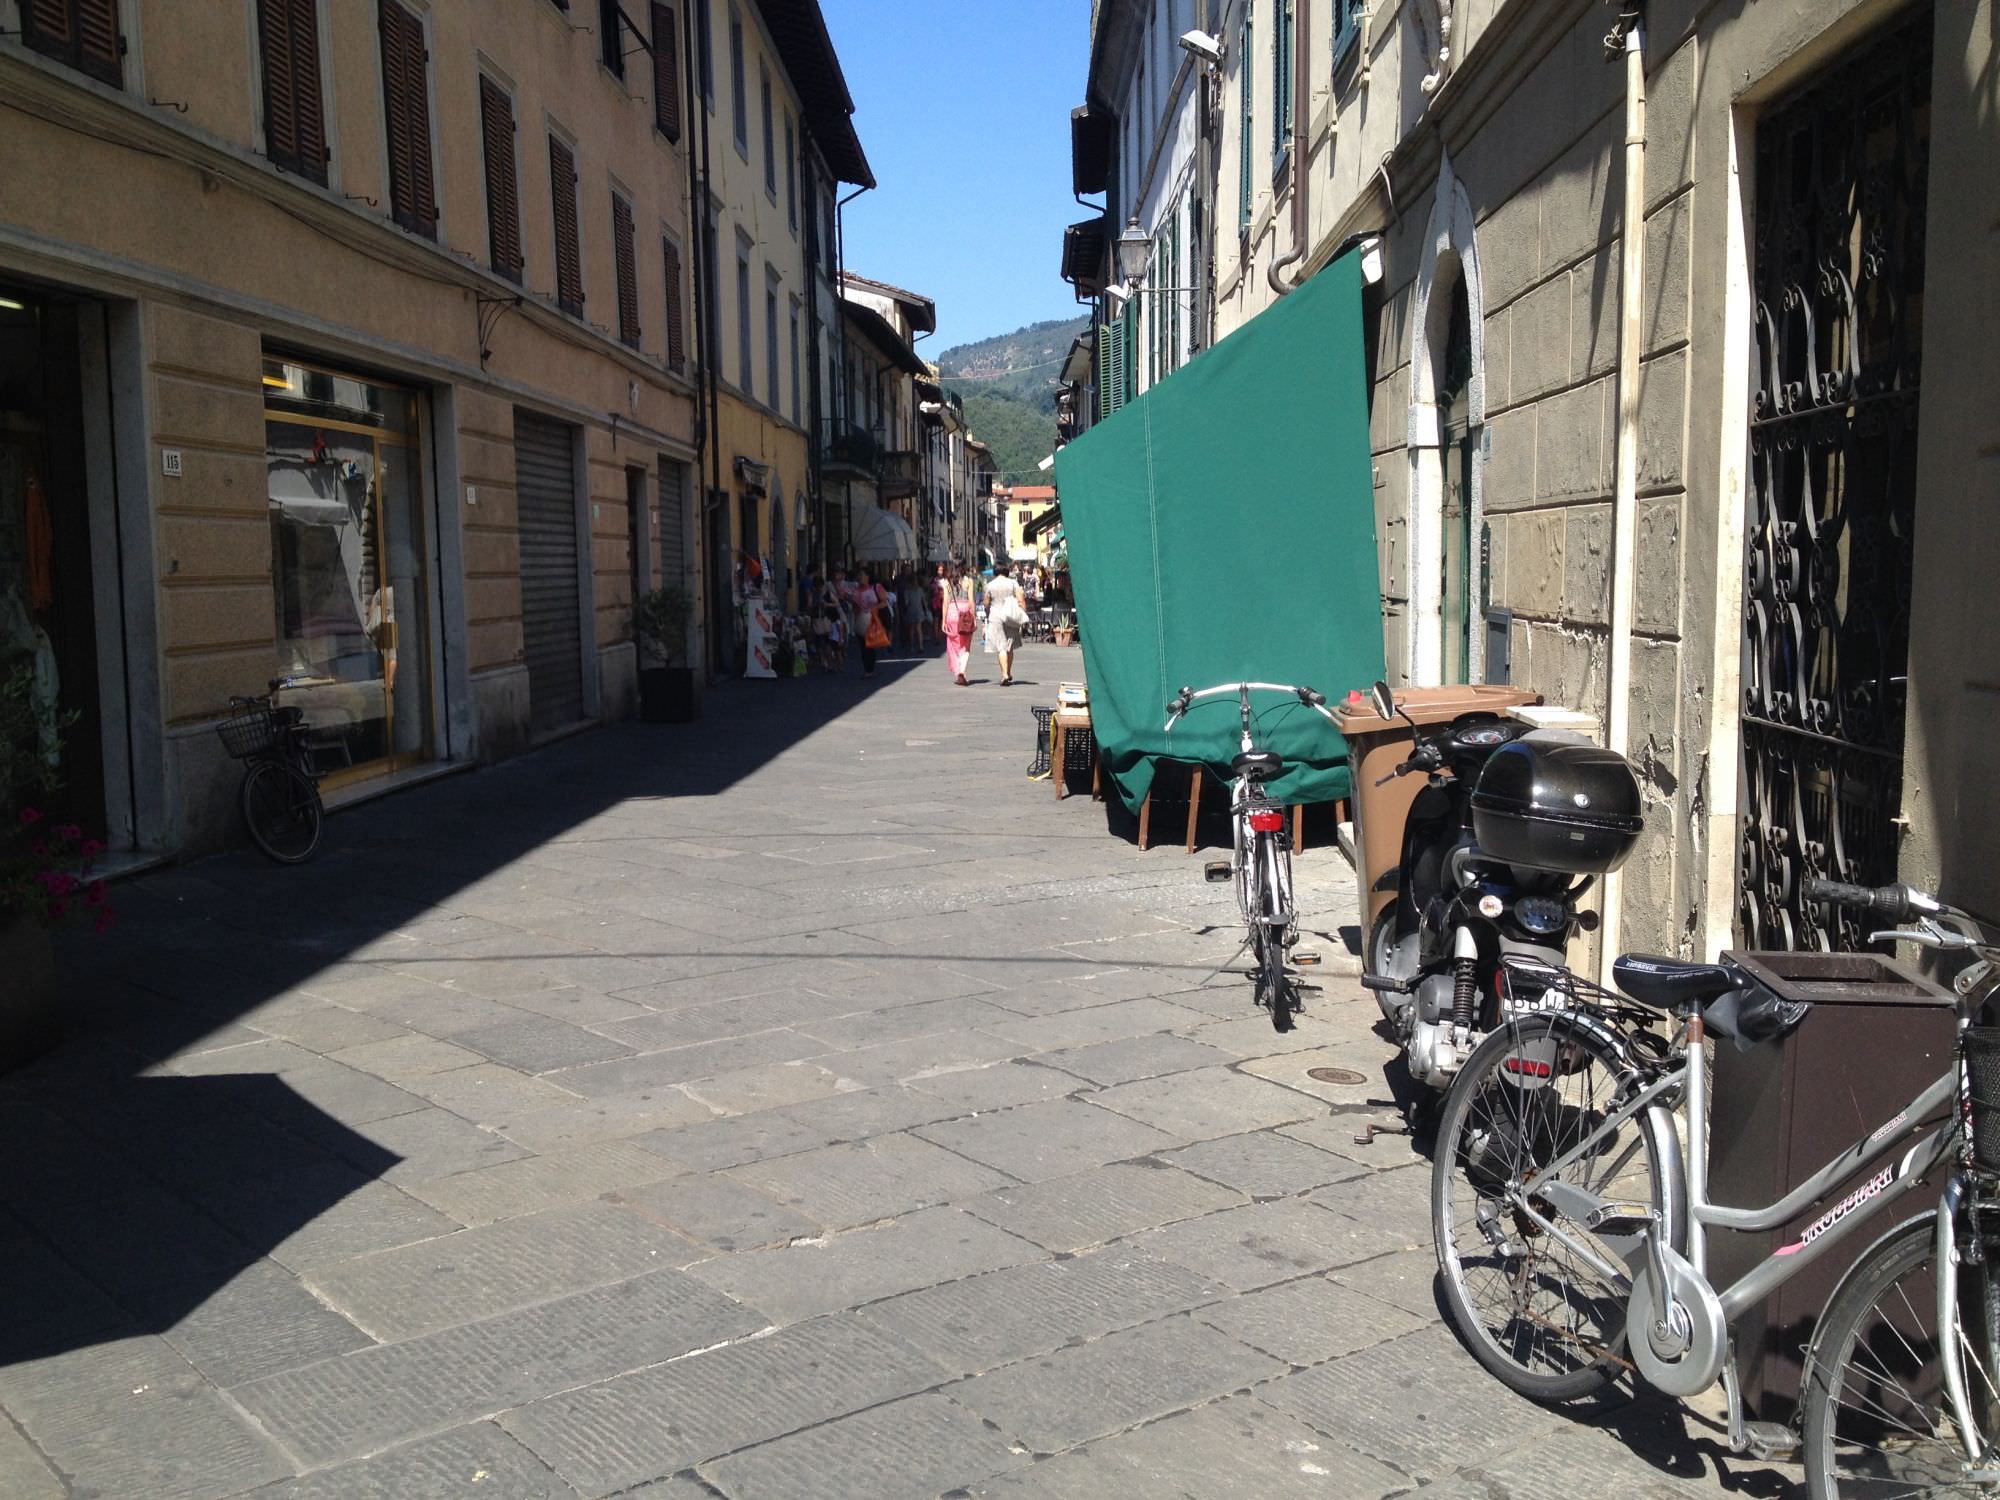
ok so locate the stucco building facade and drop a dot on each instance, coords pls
(1743, 556)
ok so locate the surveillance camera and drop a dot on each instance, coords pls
(1203, 46)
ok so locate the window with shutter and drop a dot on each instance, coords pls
(1111, 365)
(503, 194)
(406, 101)
(628, 270)
(569, 260)
(791, 176)
(1281, 83)
(770, 138)
(1245, 87)
(739, 90)
(82, 33)
(666, 73)
(610, 18)
(294, 121)
(670, 254)
(771, 346)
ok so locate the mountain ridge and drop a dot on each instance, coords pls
(1008, 384)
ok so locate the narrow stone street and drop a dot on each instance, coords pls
(801, 1103)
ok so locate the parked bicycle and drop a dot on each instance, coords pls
(1261, 865)
(280, 795)
(1571, 1223)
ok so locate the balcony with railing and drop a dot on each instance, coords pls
(902, 474)
(849, 451)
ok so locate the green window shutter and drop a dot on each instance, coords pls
(1174, 280)
(1246, 86)
(1131, 352)
(1281, 82)
(1111, 366)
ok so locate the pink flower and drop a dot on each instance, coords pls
(40, 848)
(103, 921)
(94, 893)
(58, 907)
(69, 831)
(91, 848)
(30, 816)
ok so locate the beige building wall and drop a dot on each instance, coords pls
(1510, 173)
(206, 258)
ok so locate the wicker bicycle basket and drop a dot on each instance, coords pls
(1982, 1073)
(248, 734)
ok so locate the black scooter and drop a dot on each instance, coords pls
(1507, 835)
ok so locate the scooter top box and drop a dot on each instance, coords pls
(1545, 802)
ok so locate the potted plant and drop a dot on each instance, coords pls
(668, 693)
(45, 870)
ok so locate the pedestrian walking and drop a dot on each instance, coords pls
(1006, 619)
(961, 618)
(869, 602)
(915, 613)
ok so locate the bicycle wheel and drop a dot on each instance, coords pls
(1877, 1420)
(1275, 989)
(1532, 1310)
(282, 810)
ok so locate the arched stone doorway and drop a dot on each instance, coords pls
(1445, 640)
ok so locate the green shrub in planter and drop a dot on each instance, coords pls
(668, 692)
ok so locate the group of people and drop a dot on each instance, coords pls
(912, 608)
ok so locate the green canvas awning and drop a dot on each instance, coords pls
(1222, 528)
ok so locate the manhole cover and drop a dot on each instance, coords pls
(1336, 1075)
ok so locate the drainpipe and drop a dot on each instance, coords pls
(1631, 34)
(840, 306)
(1301, 142)
(708, 417)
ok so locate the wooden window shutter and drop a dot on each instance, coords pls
(628, 271)
(569, 261)
(670, 253)
(666, 73)
(503, 202)
(82, 33)
(294, 122)
(407, 108)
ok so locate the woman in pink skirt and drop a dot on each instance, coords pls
(961, 619)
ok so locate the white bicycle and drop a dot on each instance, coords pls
(1262, 863)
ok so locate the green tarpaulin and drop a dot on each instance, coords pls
(1222, 528)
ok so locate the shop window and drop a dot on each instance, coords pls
(82, 33)
(569, 254)
(351, 597)
(294, 120)
(670, 256)
(628, 270)
(666, 74)
(503, 196)
(406, 111)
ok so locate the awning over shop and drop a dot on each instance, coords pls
(1221, 528)
(1048, 520)
(882, 536)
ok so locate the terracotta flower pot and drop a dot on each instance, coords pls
(29, 1022)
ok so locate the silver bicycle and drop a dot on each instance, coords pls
(1571, 1221)
(1261, 865)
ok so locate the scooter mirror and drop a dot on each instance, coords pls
(1383, 700)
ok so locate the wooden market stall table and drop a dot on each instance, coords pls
(1063, 723)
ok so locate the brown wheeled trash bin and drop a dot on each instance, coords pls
(1375, 748)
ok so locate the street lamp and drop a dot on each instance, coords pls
(1135, 250)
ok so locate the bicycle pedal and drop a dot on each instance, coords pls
(1769, 1442)
(1304, 959)
(1218, 872)
(1615, 1220)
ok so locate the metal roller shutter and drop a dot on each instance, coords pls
(551, 602)
(674, 525)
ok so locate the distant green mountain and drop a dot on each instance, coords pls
(1008, 384)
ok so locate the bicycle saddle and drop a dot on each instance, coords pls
(1669, 983)
(1258, 765)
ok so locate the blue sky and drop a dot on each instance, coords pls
(963, 108)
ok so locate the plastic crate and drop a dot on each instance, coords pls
(1040, 765)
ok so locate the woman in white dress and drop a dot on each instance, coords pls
(1006, 618)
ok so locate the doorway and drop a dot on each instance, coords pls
(1455, 456)
(48, 624)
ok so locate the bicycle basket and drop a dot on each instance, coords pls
(248, 734)
(1982, 1072)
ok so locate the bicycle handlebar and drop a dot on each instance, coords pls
(1181, 702)
(1897, 903)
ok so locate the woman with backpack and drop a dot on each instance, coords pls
(961, 619)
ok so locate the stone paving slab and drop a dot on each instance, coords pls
(906, 1450)
(1119, 1381)
(1262, 1163)
(1102, 1204)
(537, 1044)
(1206, 1103)
(348, 1407)
(132, 1417)
(1246, 1248)
(841, 1186)
(1234, 1449)
(475, 1462)
(481, 1273)
(1309, 1320)
(717, 1212)
(534, 1183)
(659, 1421)
(983, 1322)
(807, 1278)
(1038, 1141)
(1130, 1059)
(261, 1322)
